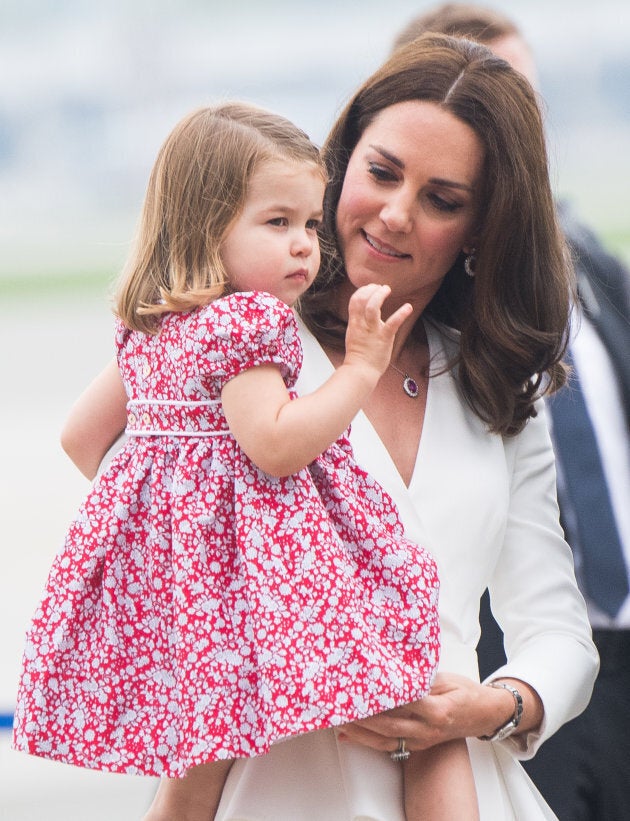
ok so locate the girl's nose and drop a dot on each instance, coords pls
(302, 243)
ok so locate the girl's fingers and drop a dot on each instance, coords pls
(375, 302)
(368, 300)
(378, 296)
(367, 303)
(398, 317)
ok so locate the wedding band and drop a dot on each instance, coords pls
(402, 753)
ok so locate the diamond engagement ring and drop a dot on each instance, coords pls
(402, 753)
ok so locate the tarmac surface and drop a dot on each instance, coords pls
(50, 350)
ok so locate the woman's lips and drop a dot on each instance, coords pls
(383, 248)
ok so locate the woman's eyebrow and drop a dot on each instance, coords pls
(434, 180)
(395, 160)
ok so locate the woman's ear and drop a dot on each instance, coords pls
(470, 247)
(472, 240)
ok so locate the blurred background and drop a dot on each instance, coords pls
(88, 92)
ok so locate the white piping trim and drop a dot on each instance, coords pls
(193, 434)
(174, 402)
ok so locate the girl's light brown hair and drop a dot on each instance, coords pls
(512, 317)
(197, 188)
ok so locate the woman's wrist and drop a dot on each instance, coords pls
(510, 726)
(519, 708)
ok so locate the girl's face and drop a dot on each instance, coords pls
(272, 245)
(409, 202)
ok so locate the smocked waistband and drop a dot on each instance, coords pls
(165, 417)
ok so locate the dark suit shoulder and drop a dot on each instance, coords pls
(606, 274)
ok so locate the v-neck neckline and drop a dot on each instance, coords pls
(363, 428)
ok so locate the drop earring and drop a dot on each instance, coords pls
(470, 263)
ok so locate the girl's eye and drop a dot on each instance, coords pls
(380, 172)
(313, 225)
(279, 221)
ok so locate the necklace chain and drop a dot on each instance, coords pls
(409, 385)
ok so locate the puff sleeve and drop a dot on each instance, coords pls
(249, 329)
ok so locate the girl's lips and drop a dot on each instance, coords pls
(383, 248)
(302, 274)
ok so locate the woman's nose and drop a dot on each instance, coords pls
(397, 214)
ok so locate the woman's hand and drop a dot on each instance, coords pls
(457, 707)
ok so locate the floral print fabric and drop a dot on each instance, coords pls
(201, 609)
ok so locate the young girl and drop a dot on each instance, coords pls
(233, 578)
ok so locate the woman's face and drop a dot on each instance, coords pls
(409, 202)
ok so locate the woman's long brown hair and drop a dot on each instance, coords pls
(512, 317)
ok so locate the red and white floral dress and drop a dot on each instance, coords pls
(201, 609)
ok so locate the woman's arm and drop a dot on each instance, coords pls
(281, 435)
(534, 594)
(95, 420)
(544, 619)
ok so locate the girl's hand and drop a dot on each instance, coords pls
(369, 339)
(285, 434)
(457, 707)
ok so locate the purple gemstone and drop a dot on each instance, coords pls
(410, 386)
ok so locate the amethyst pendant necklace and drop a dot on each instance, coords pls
(410, 386)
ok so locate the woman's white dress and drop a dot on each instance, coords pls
(486, 508)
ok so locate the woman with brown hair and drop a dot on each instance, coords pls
(439, 187)
(590, 430)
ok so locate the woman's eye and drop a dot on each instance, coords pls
(443, 205)
(380, 172)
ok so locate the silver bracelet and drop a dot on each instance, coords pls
(510, 726)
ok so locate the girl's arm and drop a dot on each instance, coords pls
(281, 435)
(96, 420)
